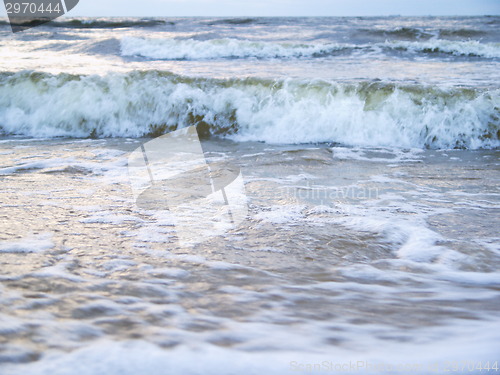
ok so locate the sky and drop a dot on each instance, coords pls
(225, 8)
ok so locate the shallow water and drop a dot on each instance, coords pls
(360, 235)
(345, 251)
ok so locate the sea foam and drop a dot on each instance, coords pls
(192, 49)
(275, 111)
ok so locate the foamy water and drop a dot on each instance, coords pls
(368, 159)
(287, 111)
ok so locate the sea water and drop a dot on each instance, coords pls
(368, 148)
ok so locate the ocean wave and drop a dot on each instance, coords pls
(102, 23)
(194, 49)
(236, 21)
(416, 34)
(456, 48)
(461, 33)
(191, 49)
(108, 23)
(495, 20)
(405, 33)
(139, 104)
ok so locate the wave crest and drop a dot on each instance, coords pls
(193, 49)
(404, 33)
(462, 48)
(149, 103)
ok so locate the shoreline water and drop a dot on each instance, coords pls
(412, 266)
(370, 176)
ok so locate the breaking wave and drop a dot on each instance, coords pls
(191, 49)
(140, 104)
(462, 48)
(405, 33)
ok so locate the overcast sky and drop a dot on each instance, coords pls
(226, 8)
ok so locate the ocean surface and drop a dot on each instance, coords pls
(369, 159)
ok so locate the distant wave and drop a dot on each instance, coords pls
(494, 21)
(406, 33)
(150, 103)
(461, 33)
(236, 21)
(102, 23)
(119, 22)
(109, 23)
(416, 34)
(191, 49)
(456, 48)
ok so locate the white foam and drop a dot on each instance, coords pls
(191, 49)
(10, 324)
(59, 270)
(474, 342)
(281, 214)
(124, 105)
(116, 265)
(110, 218)
(41, 164)
(458, 48)
(171, 272)
(31, 244)
(382, 155)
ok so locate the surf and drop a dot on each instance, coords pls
(151, 103)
